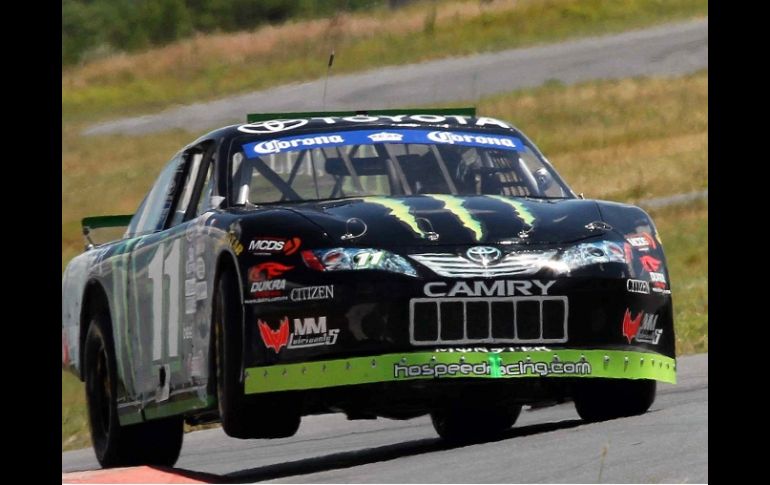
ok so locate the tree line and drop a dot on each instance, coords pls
(91, 28)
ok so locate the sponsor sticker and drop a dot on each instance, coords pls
(264, 282)
(641, 328)
(307, 332)
(643, 241)
(638, 286)
(370, 137)
(494, 350)
(309, 293)
(274, 245)
(650, 263)
(521, 367)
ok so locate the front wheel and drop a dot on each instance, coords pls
(464, 423)
(156, 442)
(603, 399)
(244, 417)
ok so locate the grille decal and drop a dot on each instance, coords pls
(426, 327)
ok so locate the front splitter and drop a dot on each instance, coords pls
(612, 364)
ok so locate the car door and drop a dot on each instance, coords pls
(162, 300)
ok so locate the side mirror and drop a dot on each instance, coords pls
(544, 179)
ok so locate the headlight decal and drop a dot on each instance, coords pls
(349, 259)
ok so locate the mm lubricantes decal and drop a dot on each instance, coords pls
(455, 206)
(400, 211)
(274, 339)
(308, 332)
(312, 332)
(520, 209)
(641, 328)
(493, 369)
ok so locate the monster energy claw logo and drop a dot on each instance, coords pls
(400, 211)
(454, 205)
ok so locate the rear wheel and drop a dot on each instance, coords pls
(156, 442)
(603, 399)
(465, 423)
(243, 416)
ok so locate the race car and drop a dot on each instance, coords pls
(375, 263)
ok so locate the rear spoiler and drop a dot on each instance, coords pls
(255, 117)
(98, 222)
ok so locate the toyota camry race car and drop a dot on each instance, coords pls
(380, 264)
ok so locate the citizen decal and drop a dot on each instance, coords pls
(308, 293)
(274, 245)
(641, 328)
(638, 286)
(519, 368)
(488, 288)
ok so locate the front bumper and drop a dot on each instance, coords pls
(410, 366)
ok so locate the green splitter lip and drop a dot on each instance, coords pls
(580, 363)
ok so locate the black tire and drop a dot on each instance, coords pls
(603, 399)
(468, 423)
(156, 442)
(242, 416)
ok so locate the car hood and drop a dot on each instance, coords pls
(427, 220)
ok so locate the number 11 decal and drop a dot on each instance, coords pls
(158, 268)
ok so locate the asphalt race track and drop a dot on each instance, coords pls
(667, 50)
(669, 444)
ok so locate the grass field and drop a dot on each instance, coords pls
(620, 140)
(212, 66)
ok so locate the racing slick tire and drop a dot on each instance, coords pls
(155, 442)
(243, 416)
(603, 399)
(468, 423)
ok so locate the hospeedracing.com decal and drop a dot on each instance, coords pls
(492, 369)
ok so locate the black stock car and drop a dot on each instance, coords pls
(380, 264)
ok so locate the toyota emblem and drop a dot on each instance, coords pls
(483, 255)
(271, 126)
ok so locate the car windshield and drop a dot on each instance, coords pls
(355, 163)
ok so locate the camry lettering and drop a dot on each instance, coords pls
(488, 288)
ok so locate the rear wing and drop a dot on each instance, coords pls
(255, 117)
(100, 222)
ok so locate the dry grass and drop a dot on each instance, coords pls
(684, 231)
(620, 140)
(210, 66)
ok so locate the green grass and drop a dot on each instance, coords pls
(208, 67)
